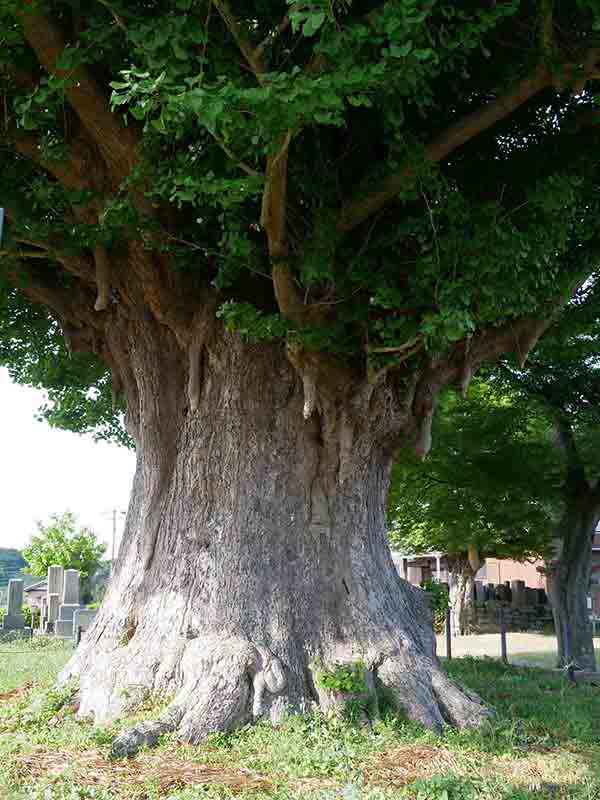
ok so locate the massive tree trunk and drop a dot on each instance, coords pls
(461, 583)
(569, 580)
(255, 551)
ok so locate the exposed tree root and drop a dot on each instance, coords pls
(228, 683)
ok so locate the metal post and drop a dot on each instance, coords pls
(448, 635)
(503, 648)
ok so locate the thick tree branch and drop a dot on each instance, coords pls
(565, 441)
(72, 304)
(356, 212)
(117, 144)
(274, 34)
(273, 221)
(24, 253)
(252, 55)
(67, 172)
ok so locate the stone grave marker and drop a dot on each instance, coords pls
(519, 595)
(53, 606)
(43, 613)
(56, 580)
(15, 619)
(82, 619)
(70, 603)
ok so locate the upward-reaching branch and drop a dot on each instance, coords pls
(273, 222)
(357, 211)
(67, 171)
(116, 143)
(252, 54)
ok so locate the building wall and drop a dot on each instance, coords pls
(496, 570)
(34, 598)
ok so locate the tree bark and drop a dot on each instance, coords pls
(569, 579)
(461, 582)
(255, 549)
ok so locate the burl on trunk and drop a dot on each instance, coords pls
(255, 550)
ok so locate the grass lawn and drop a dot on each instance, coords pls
(544, 743)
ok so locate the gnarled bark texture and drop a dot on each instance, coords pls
(255, 545)
(569, 580)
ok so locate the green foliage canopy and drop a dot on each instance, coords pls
(493, 482)
(381, 181)
(61, 541)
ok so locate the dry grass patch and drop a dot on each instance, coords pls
(539, 769)
(163, 769)
(400, 766)
(13, 694)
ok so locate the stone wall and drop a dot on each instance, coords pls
(520, 607)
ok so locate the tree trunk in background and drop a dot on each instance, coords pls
(461, 582)
(255, 549)
(569, 581)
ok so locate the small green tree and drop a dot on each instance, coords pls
(474, 497)
(62, 541)
(562, 381)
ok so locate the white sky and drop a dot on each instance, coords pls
(44, 470)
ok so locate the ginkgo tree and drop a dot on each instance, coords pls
(282, 230)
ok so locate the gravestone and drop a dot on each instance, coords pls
(82, 619)
(541, 597)
(69, 605)
(501, 593)
(491, 592)
(519, 594)
(15, 619)
(53, 606)
(531, 596)
(43, 613)
(56, 580)
(479, 592)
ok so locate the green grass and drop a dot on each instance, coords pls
(543, 743)
(546, 660)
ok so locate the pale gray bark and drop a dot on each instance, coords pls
(461, 582)
(255, 545)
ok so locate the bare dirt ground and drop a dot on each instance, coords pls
(531, 649)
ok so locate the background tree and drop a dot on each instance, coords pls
(488, 489)
(563, 381)
(62, 541)
(78, 388)
(286, 232)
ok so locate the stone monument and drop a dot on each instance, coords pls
(82, 619)
(15, 619)
(519, 594)
(69, 605)
(53, 604)
(43, 613)
(56, 580)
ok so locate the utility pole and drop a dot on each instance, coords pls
(114, 513)
(114, 535)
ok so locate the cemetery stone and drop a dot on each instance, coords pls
(69, 605)
(15, 619)
(82, 619)
(53, 606)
